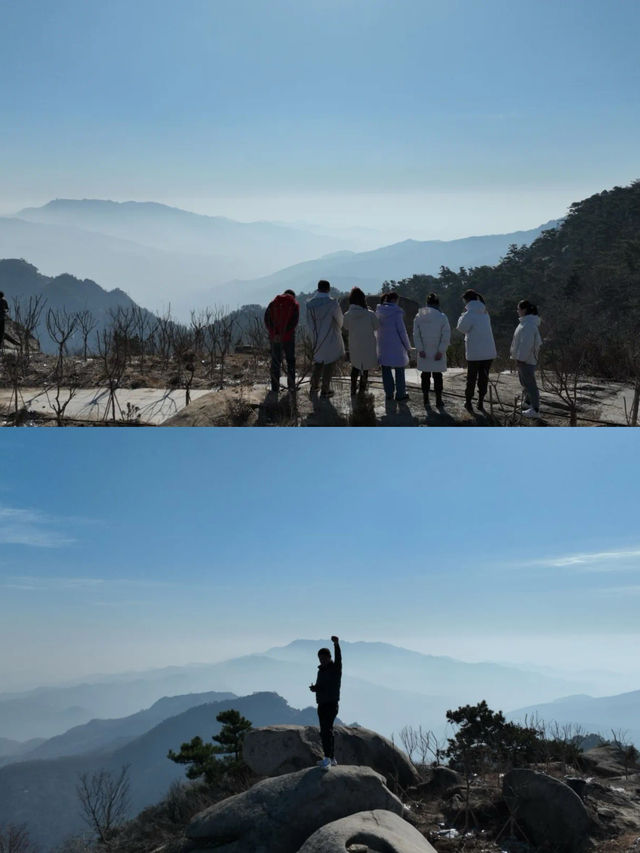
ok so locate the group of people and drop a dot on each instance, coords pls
(379, 338)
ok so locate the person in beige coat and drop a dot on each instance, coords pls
(361, 323)
(324, 319)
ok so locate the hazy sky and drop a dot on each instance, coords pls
(439, 117)
(123, 549)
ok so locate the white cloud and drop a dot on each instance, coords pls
(31, 528)
(33, 583)
(598, 561)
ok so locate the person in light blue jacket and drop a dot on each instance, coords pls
(393, 347)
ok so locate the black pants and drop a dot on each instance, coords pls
(477, 371)
(327, 712)
(425, 379)
(364, 375)
(324, 370)
(288, 348)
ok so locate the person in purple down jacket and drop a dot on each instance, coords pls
(393, 347)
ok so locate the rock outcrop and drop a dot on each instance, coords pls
(278, 815)
(372, 830)
(547, 810)
(440, 779)
(274, 750)
(16, 338)
(607, 760)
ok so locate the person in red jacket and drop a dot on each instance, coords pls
(281, 319)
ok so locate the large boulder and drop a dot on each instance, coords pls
(607, 760)
(441, 779)
(278, 815)
(273, 750)
(373, 830)
(547, 810)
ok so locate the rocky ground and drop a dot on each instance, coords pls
(152, 392)
(551, 807)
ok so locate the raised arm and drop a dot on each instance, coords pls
(337, 654)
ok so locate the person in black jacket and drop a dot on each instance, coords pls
(327, 690)
(4, 311)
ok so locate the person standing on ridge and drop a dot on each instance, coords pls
(361, 323)
(324, 319)
(281, 319)
(525, 348)
(479, 346)
(4, 310)
(431, 334)
(327, 690)
(393, 347)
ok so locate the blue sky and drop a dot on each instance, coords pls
(129, 549)
(463, 115)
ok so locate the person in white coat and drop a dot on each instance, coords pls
(479, 346)
(431, 336)
(361, 323)
(324, 319)
(525, 348)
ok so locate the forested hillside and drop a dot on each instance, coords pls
(583, 275)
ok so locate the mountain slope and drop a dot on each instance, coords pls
(42, 794)
(101, 734)
(21, 280)
(370, 269)
(600, 715)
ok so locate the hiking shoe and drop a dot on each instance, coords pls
(326, 394)
(531, 413)
(468, 406)
(324, 762)
(333, 762)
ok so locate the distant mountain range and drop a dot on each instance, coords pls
(385, 687)
(369, 270)
(601, 715)
(159, 254)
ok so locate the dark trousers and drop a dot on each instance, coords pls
(388, 384)
(425, 379)
(527, 377)
(278, 349)
(477, 371)
(1, 331)
(364, 375)
(322, 369)
(327, 712)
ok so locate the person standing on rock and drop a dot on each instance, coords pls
(479, 346)
(281, 319)
(324, 319)
(4, 310)
(327, 690)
